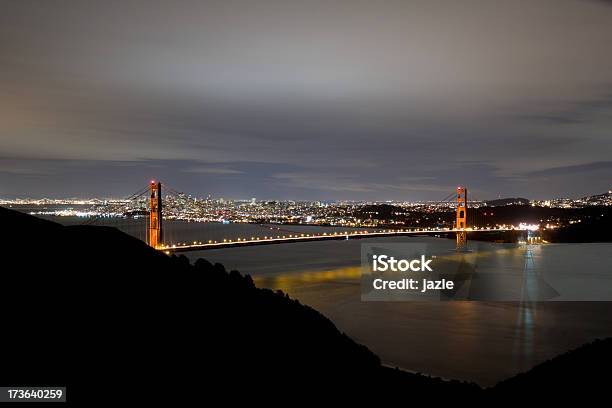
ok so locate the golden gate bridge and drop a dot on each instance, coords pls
(155, 230)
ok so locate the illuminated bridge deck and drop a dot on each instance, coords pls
(302, 237)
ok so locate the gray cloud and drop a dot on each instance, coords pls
(293, 99)
(212, 170)
(577, 169)
(553, 120)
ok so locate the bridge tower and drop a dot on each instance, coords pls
(461, 223)
(155, 216)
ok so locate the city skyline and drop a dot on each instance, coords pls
(33, 198)
(340, 100)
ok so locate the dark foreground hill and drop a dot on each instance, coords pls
(117, 322)
(583, 373)
(113, 319)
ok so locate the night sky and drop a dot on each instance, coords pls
(363, 100)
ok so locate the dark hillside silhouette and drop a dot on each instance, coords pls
(590, 230)
(507, 201)
(93, 308)
(90, 306)
(584, 372)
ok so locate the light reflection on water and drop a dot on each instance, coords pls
(523, 338)
(478, 341)
(290, 281)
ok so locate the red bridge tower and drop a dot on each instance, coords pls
(155, 215)
(461, 223)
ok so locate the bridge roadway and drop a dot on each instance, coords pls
(300, 237)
